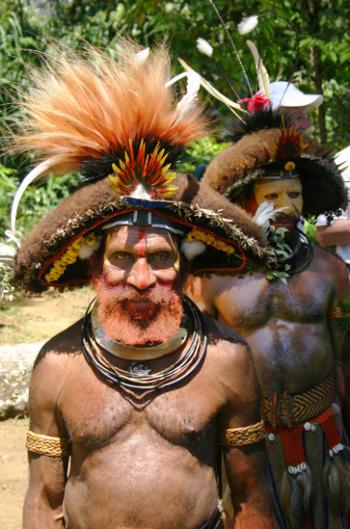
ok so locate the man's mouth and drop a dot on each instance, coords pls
(142, 309)
(285, 221)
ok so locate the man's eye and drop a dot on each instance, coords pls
(272, 196)
(294, 194)
(118, 258)
(160, 258)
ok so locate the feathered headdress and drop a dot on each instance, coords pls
(119, 125)
(86, 109)
(268, 145)
(95, 116)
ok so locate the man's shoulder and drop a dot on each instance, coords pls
(328, 258)
(60, 350)
(219, 331)
(333, 268)
(58, 359)
(230, 358)
(225, 343)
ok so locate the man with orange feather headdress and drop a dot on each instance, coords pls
(139, 395)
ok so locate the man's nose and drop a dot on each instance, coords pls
(141, 275)
(287, 203)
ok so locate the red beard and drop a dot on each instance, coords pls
(135, 318)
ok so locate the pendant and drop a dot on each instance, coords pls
(139, 368)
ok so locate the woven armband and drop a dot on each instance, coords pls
(47, 445)
(247, 435)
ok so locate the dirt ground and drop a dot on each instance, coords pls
(13, 472)
(24, 321)
(37, 318)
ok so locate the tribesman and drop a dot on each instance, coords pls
(286, 313)
(128, 406)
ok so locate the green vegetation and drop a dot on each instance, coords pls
(307, 40)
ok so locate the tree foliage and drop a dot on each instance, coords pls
(306, 41)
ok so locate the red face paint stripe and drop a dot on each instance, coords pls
(140, 246)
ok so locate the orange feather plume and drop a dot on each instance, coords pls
(87, 107)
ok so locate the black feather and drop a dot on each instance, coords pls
(93, 169)
(253, 122)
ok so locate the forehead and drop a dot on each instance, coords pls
(278, 185)
(130, 236)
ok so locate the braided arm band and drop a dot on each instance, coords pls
(47, 445)
(247, 435)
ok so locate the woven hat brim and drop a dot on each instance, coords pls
(236, 167)
(89, 208)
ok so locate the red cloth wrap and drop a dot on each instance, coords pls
(328, 422)
(293, 441)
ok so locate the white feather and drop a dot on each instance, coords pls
(87, 251)
(12, 237)
(234, 107)
(140, 192)
(261, 72)
(204, 47)
(342, 160)
(142, 55)
(33, 175)
(265, 212)
(192, 89)
(192, 249)
(247, 24)
(175, 79)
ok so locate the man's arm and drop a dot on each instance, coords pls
(336, 233)
(47, 474)
(246, 463)
(340, 338)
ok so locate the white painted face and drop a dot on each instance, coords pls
(282, 192)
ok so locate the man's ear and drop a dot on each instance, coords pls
(95, 261)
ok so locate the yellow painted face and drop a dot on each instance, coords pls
(283, 192)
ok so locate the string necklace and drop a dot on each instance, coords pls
(138, 383)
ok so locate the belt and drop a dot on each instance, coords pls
(286, 409)
(214, 522)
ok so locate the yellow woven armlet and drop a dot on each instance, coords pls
(247, 435)
(47, 445)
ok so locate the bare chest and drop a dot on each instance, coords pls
(252, 301)
(97, 415)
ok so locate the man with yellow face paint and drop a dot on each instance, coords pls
(285, 312)
(284, 193)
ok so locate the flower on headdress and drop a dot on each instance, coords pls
(70, 256)
(289, 166)
(256, 103)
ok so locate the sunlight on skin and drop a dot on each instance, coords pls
(141, 258)
(283, 192)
